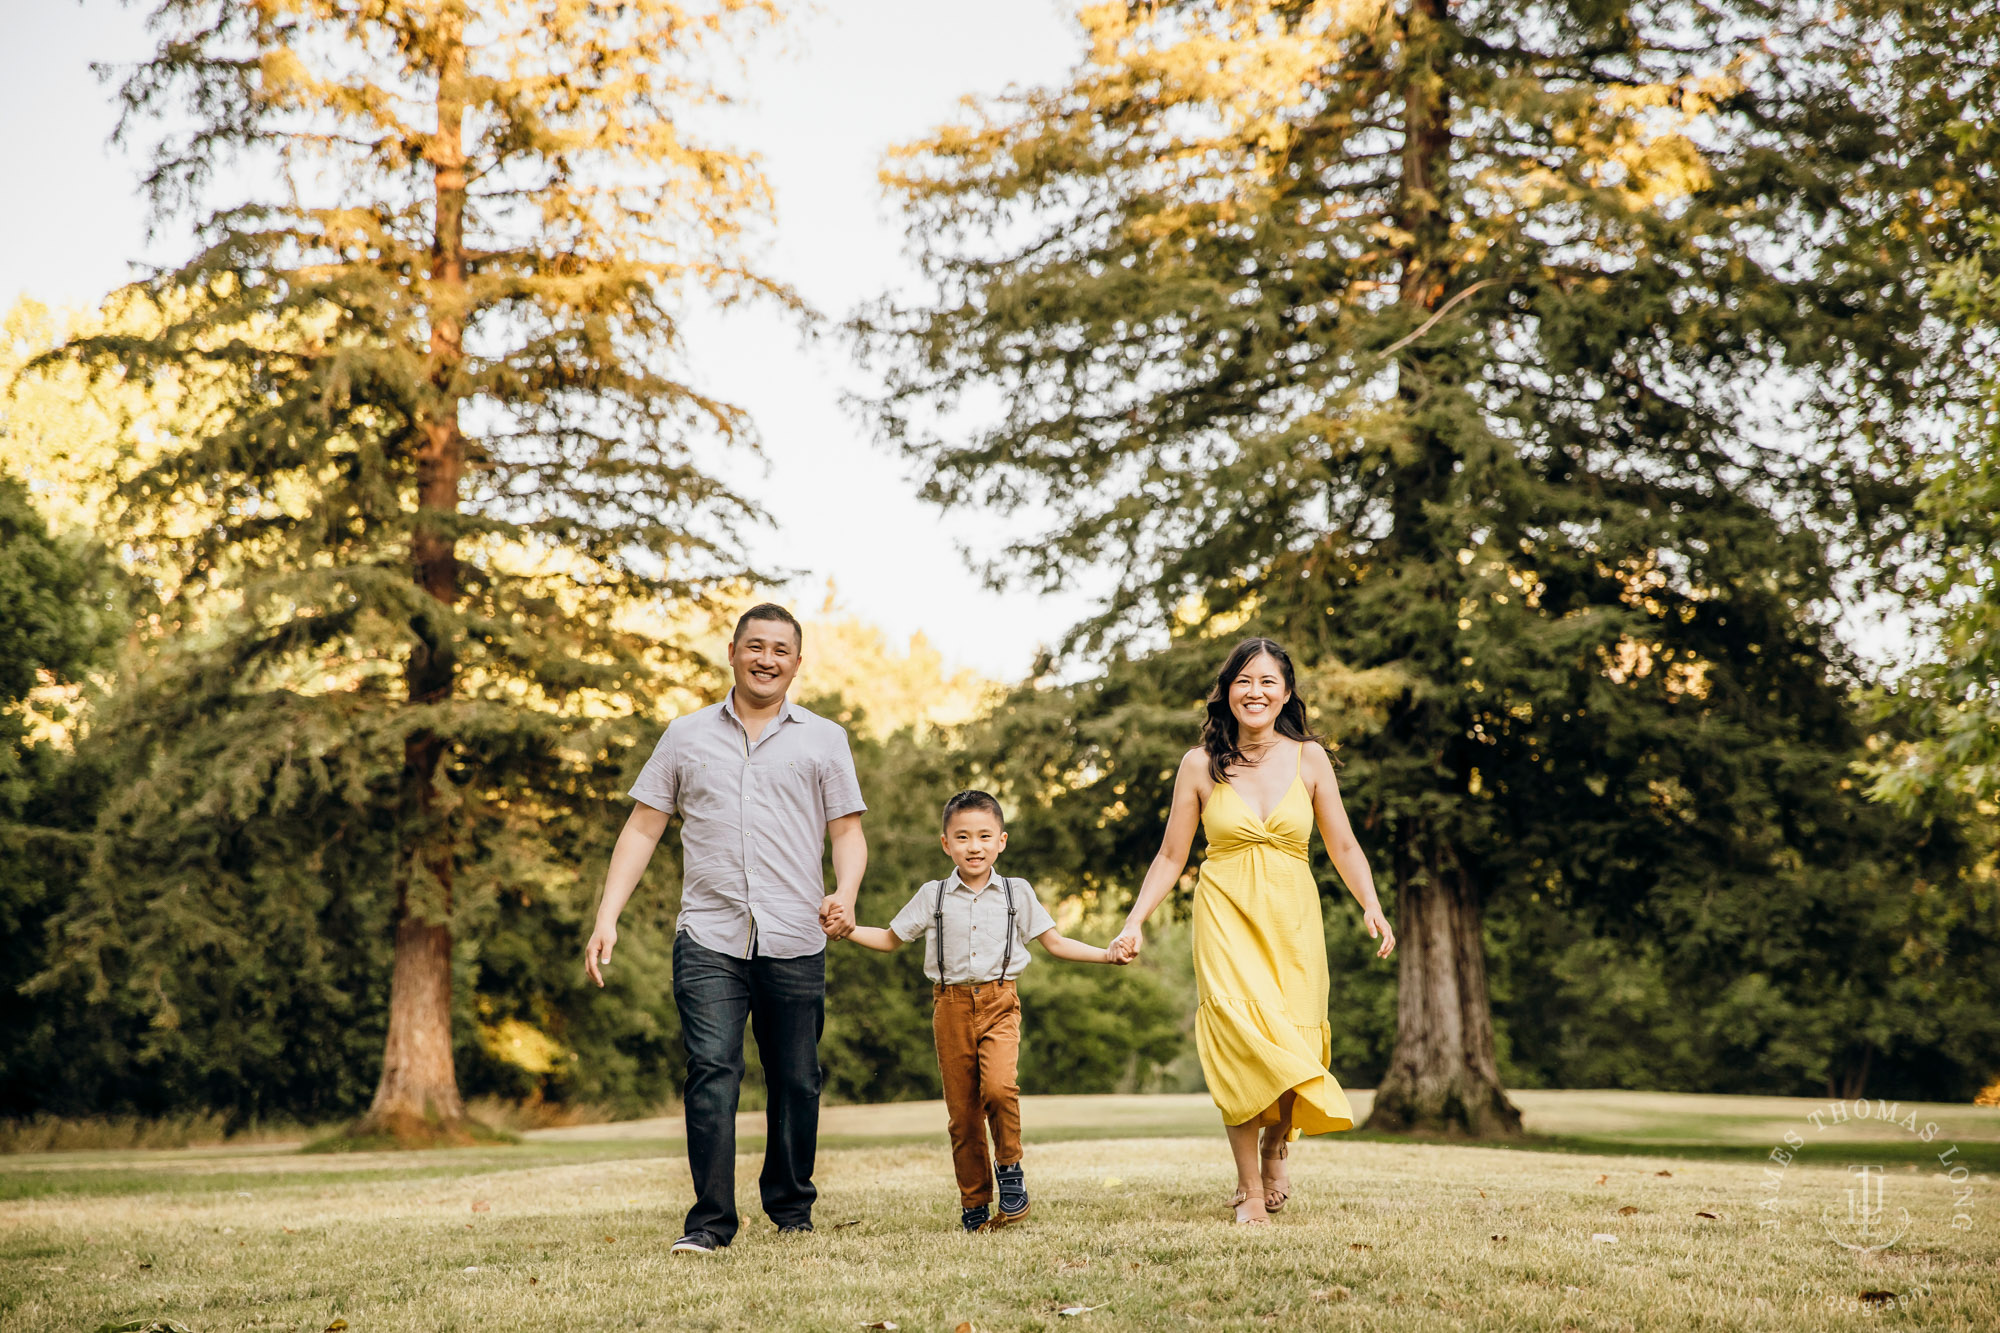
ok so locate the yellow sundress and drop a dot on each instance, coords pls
(1260, 966)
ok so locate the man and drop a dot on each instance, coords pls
(759, 782)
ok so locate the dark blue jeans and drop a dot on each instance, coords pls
(784, 1000)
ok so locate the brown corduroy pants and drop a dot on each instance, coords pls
(978, 1030)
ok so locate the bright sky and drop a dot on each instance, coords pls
(857, 76)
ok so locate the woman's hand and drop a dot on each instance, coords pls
(1126, 947)
(597, 953)
(1378, 929)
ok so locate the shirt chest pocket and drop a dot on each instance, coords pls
(786, 784)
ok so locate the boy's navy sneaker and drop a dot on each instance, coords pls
(695, 1242)
(975, 1219)
(1013, 1194)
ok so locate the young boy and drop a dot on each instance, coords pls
(978, 925)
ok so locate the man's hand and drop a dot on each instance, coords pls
(1126, 947)
(836, 917)
(597, 953)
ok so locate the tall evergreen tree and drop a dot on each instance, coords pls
(448, 459)
(1518, 364)
(1944, 86)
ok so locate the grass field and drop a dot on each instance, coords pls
(569, 1230)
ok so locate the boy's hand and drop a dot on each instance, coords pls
(1126, 947)
(836, 917)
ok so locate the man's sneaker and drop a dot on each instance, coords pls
(1013, 1194)
(796, 1229)
(695, 1242)
(975, 1219)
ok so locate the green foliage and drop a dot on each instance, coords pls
(1435, 342)
(431, 515)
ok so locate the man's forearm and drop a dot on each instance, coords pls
(629, 859)
(850, 861)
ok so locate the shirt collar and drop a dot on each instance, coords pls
(953, 884)
(787, 711)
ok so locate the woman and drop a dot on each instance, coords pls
(1256, 785)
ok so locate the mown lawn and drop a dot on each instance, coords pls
(569, 1230)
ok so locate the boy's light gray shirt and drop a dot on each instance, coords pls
(753, 823)
(975, 927)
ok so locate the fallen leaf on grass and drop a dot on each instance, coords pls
(533, 1281)
(481, 1206)
(1112, 1182)
(611, 1240)
(1360, 1245)
(850, 1222)
(289, 1231)
(1710, 1216)
(1068, 1264)
(1663, 1173)
(145, 1265)
(1627, 1210)
(1602, 1178)
(1604, 1236)
(336, 1326)
(1081, 1309)
(1482, 1194)
(882, 1323)
(468, 1226)
(1331, 1293)
(1500, 1239)
(1877, 1297)
(965, 1326)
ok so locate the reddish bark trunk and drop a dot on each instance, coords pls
(417, 1100)
(1443, 1076)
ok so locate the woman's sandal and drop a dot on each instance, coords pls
(1275, 1197)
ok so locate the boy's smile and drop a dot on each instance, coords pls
(973, 840)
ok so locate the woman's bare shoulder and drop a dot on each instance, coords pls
(1318, 763)
(1194, 774)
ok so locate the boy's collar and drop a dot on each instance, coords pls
(952, 881)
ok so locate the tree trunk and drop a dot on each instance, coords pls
(417, 1101)
(1443, 1077)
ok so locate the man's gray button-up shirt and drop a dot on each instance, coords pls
(753, 823)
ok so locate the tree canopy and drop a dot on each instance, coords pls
(1537, 373)
(438, 458)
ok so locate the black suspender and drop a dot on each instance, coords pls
(937, 929)
(1007, 951)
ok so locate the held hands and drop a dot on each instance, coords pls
(597, 953)
(1378, 929)
(1125, 948)
(836, 917)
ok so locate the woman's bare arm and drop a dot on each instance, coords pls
(1191, 788)
(1343, 848)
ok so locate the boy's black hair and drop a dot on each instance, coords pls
(972, 799)
(770, 611)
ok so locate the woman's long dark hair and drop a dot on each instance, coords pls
(1218, 730)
